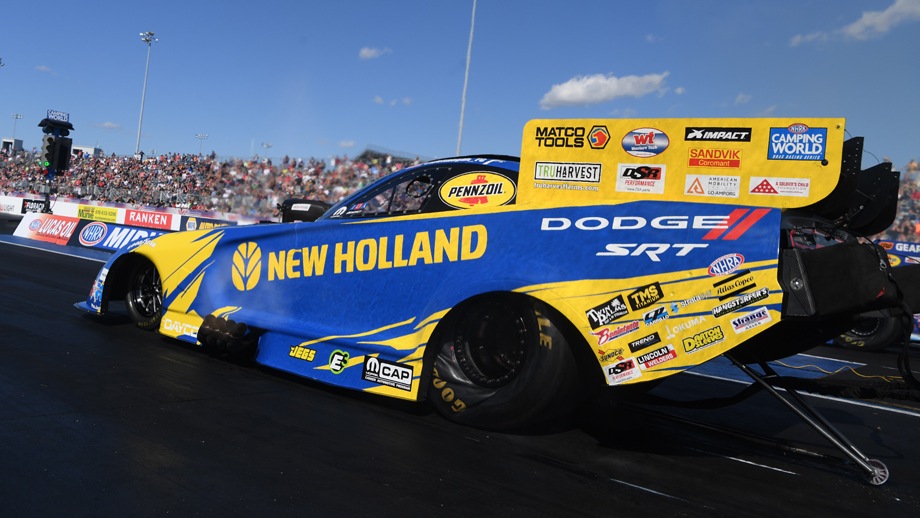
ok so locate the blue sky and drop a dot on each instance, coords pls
(331, 78)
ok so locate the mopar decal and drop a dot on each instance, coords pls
(387, 373)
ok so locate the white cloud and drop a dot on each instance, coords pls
(108, 125)
(347, 143)
(870, 24)
(873, 23)
(598, 88)
(372, 53)
(680, 90)
(378, 99)
(799, 39)
(742, 99)
(42, 68)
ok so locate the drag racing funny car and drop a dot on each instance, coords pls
(501, 289)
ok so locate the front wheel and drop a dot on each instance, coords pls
(502, 364)
(872, 334)
(144, 298)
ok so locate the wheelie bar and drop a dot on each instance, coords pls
(876, 471)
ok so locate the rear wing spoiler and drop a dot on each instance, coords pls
(802, 163)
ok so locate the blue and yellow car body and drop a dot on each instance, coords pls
(658, 241)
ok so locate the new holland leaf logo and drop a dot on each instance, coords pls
(247, 265)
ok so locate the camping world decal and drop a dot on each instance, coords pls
(797, 142)
(477, 189)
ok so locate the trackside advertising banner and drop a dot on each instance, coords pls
(110, 237)
(49, 228)
(71, 231)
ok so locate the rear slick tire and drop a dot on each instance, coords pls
(872, 334)
(502, 364)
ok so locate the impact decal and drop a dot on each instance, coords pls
(797, 142)
(645, 142)
(712, 185)
(798, 187)
(644, 178)
(709, 134)
(477, 189)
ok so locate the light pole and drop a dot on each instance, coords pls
(466, 78)
(16, 117)
(201, 138)
(146, 37)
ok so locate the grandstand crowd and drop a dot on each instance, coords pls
(251, 188)
(255, 187)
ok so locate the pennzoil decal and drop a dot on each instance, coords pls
(477, 189)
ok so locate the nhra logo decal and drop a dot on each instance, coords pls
(645, 142)
(726, 264)
(718, 134)
(247, 266)
(607, 312)
(93, 234)
(387, 373)
(797, 142)
(478, 189)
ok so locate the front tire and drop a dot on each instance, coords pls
(502, 364)
(144, 298)
(872, 334)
